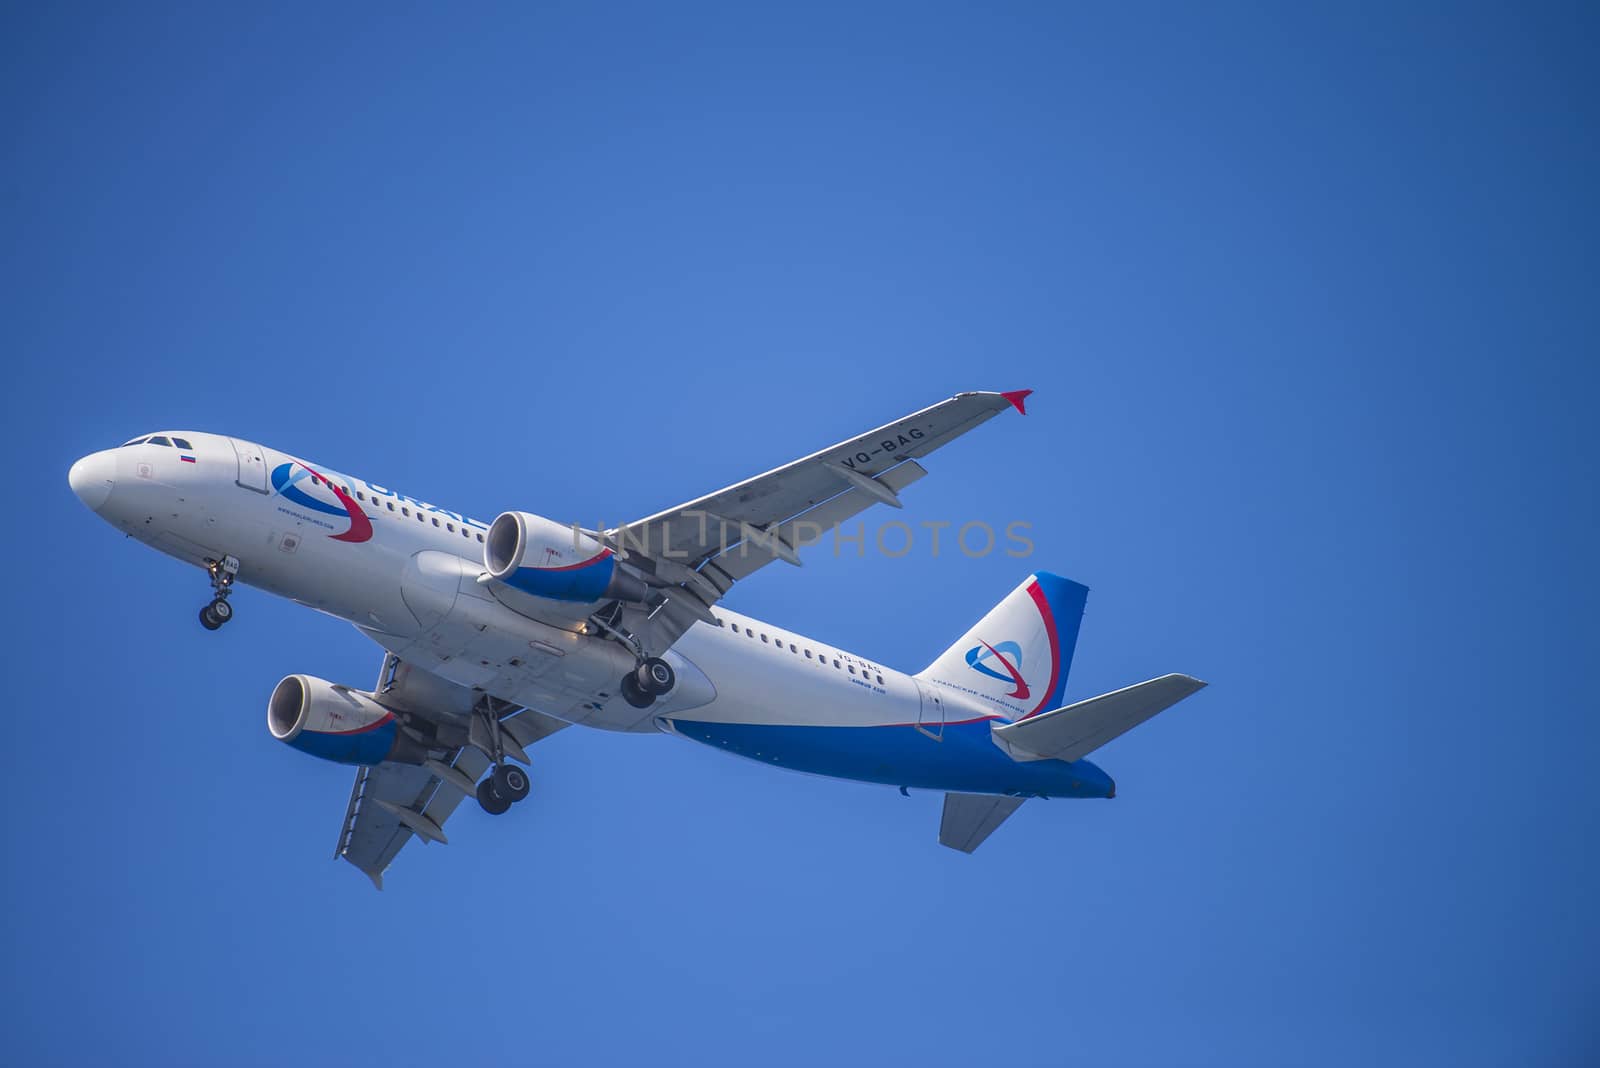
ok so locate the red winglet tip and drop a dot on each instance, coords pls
(1016, 397)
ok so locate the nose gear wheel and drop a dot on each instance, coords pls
(222, 573)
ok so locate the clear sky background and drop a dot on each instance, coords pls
(1308, 297)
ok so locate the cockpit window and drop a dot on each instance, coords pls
(159, 440)
(135, 441)
(183, 443)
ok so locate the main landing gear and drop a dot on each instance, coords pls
(504, 787)
(506, 784)
(651, 679)
(222, 573)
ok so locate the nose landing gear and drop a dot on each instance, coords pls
(215, 614)
(222, 573)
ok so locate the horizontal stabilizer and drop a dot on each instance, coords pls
(1075, 731)
(970, 818)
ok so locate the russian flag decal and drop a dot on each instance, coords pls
(187, 459)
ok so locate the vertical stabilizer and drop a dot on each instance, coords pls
(1015, 660)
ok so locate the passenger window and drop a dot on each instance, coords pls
(763, 639)
(360, 496)
(836, 663)
(808, 654)
(480, 537)
(880, 680)
(183, 443)
(792, 648)
(406, 512)
(390, 504)
(160, 441)
(451, 527)
(852, 669)
(435, 520)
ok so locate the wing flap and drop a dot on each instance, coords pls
(373, 835)
(1075, 731)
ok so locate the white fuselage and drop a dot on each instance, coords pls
(413, 577)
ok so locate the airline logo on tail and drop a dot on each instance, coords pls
(290, 482)
(1008, 656)
(1026, 673)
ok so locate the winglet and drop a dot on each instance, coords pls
(1016, 397)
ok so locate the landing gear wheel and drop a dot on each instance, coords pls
(222, 573)
(491, 800)
(655, 676)
(632, 694)
(510, 781)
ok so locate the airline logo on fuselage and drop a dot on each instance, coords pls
(309, 490)
(1008, 655)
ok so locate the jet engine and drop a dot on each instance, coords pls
(541, 557)
(337, 723)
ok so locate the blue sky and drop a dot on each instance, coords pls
(1307, 296)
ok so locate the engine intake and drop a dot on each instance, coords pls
(338, 724)
(541, 557)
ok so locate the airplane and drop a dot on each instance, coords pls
(497, 635)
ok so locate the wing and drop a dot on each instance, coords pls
(698, 550)
(392, 803)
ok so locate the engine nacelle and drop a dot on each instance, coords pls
(541, 557)
(338, 724)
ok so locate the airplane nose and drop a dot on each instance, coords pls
(92, 478)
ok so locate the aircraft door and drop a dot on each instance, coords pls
(930, 716)
(252, 465)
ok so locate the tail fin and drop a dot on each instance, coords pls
(1017, 657)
